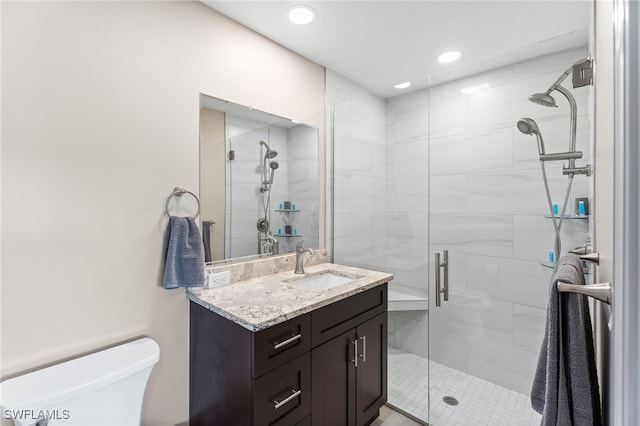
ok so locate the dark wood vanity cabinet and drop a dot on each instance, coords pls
(349, 375)
(300, 372)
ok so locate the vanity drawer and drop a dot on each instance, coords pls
(276, 345)
(283, 396)
(336, 318)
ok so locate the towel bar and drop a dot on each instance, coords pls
(600, 291)
(582, 253)
(179, 192)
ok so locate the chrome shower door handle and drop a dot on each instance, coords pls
(442, 287)
(445, 271)
(438, 285)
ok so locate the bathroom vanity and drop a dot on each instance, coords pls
(288, 349)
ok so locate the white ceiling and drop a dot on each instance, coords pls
(382, 43)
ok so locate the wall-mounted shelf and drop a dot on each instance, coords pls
(286, 210)
(553, 265)
(287, 235)
(568, 216)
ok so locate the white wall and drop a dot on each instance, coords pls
(100, 114)
(213, 158)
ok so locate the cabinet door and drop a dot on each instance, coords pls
(372, 368)
(333, 382)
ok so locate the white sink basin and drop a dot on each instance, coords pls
(321, 281)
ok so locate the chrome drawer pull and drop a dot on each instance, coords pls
(355, 352)
(364, 348)
(286, 342)
(291, 397)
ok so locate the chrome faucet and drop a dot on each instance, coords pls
(300, 251)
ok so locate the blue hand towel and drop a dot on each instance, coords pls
(184, 260)
(565, 387)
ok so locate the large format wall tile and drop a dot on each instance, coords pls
(448, 347)
(472, 152)
(517, 281)
(482, 234)
(408, 159)
(472, 313)
(505, 365)
(412, 336)
(448, 193)
(529, 327)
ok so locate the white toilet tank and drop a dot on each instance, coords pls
(104, 388)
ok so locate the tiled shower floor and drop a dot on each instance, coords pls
(480, 402)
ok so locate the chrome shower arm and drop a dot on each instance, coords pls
(560, 79)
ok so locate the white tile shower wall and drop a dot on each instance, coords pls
(243, 186)
(487, 207)
(302, 151)
(408, 206)
(296, 180)
(359, 212)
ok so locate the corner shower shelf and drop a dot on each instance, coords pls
(569, 216)
(398, 301)
(553, 265)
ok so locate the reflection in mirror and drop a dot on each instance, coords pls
(258, 182)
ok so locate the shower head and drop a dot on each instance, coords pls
(271, 153)
(544, 99)
(529, 127)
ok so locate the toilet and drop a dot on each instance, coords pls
(104, 388)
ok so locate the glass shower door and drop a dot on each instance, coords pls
(449, 174)
(489, 239)
(380, 215)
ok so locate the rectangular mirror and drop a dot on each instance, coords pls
(258, 182)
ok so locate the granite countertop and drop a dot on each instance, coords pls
(262, 302)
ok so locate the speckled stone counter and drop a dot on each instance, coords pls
(262, 302)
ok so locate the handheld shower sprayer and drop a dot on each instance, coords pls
(529, 127)
(273, 165)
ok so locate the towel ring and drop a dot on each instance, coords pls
(179, 192)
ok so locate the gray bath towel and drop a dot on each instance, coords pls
(565, 387)
(184, 260)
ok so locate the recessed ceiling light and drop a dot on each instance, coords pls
(301, 14)
(474, 89)
(403, 85)
(449, 56)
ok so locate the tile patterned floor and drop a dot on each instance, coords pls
(480, 402)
